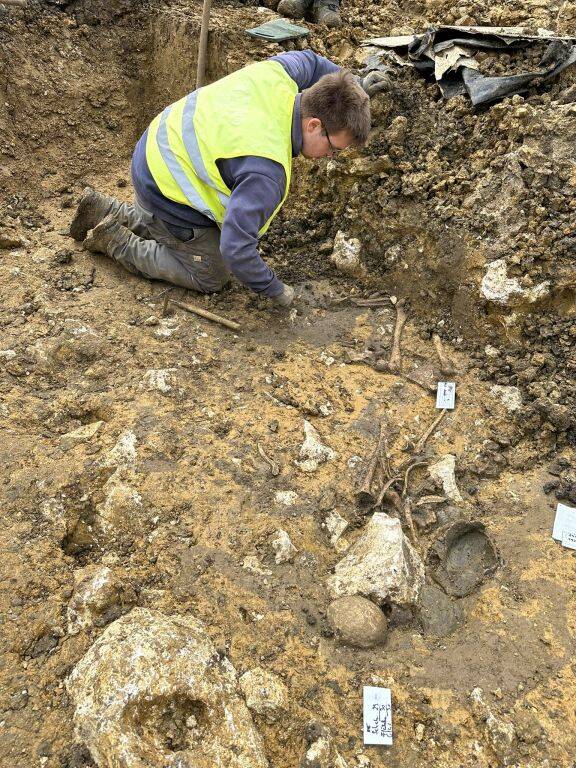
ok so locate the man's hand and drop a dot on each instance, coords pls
(376, 81)
(285, 298)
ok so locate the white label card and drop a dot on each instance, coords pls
(377, 715)
(565, 521)
(446, 394)
(569, 539)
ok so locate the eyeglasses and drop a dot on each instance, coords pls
(333, 150)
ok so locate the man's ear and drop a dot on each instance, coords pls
(312, 124)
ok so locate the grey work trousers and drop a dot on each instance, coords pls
(153, 251)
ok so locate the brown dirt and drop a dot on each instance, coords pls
(78, 83)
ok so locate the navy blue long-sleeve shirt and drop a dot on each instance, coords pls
(257, 185)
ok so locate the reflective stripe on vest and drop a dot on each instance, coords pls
(251, 114)
(186, 186)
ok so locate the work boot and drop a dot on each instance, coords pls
(327, 12)
(294, 9)
(108, 232)
(92, 208)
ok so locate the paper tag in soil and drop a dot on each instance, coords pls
(446, 394)
(565, 521)
(569, 539)
(377, 715)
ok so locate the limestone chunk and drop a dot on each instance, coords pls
(346, 255)
(500, 289)
(288, 498)
(381, 565)
(321, 751)
(500, 733)
(252, 564)
(99, 598)
(283, 547)
(265, 693)
(124, 451)
(510, 397)
(335, 525)
(121, 508)
(158, 379)
(80, 435)
(10, 238)
(152, 691)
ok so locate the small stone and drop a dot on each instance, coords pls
(499, 732)
(558, 415)
(366, 166)
(265, 693)
(158, 379)
(288, 498)
(124, 451)
(528, 727)
(44, 749)
(19, 699)
(121, 508)
(356, 621)
(283, 547)
(335, 525)
(80, 435)
(252, 564)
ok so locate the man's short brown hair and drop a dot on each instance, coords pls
(340, 103)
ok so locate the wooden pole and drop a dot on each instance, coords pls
(208, 315)
(203, 44)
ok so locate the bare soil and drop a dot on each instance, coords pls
(459, 188)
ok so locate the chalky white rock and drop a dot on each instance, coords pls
(381, 565)
(152, 691)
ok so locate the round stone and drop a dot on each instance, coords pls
(357, 621)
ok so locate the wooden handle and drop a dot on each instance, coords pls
(208, 315)
(203, 44)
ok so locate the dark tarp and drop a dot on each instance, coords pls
(448, 54)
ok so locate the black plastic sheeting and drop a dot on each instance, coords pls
(447, 53)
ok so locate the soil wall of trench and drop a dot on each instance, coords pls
(166, 500)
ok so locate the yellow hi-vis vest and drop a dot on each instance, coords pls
(246, 113)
